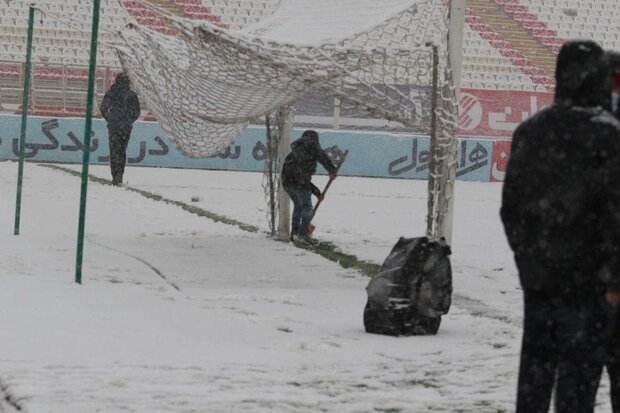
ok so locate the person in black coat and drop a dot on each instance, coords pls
(297, 170)
(560, 210)
(120, 108)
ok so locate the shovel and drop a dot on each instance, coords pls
(311, 227)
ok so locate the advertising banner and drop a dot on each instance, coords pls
(371, 154)
(501, 154)
(497, 113)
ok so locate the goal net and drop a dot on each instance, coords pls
(388, 59)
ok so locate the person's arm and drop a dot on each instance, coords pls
(134, 108)
(328, 165)
(312, 187)
(325, 161)
(511, 207)
(105, 106)
(609, 230)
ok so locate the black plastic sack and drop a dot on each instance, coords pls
(412, 290)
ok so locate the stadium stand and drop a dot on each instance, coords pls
(508, 44)
(62, 42)
(525, 77)
(566, 19)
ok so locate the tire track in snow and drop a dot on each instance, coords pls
(143, 261)
(8, 402)
(159, 198)
(477, 308)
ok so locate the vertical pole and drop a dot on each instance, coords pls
(336, 112)
(87, 131)
(455, 42)
(435, 181)
(22, 136)
(455, 56)
(285, 125)
(270, 162)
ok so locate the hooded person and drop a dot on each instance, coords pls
(299, 166)
(120, 107)
(560, 203)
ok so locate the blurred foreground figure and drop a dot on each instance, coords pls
(120, 108)
(561, 214)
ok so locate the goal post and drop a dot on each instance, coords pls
(391, 59)
(285, 124)
(442, 169)
(456, 27)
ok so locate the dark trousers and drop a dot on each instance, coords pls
(119, 139)
(563, 344)
(302, 208)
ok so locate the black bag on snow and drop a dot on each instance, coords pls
(412, 289)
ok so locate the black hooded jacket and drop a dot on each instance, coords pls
(120, 106)
(300, 164)
(561, 195)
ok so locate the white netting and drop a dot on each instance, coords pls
(207, 83)
(271, 183)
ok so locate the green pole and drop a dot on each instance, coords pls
(87, 131)
(22, 136)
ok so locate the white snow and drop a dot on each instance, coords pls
(177, 313)
(315, 23)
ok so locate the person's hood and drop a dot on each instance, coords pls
(309, 137)
(122, 84)
(119, 89)
(582, 74)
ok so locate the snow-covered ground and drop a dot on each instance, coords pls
(177, 313)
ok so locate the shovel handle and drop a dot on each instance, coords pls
(331, 179)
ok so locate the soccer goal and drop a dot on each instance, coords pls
(389, 58)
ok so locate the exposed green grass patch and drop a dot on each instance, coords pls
(331, 252)
(325, 249)
(189, 208)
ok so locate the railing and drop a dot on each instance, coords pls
(56, 89)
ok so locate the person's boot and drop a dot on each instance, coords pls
(305, 239)
(294, 231)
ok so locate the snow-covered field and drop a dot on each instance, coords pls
(177, 313)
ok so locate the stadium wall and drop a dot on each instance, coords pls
(372, 154)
